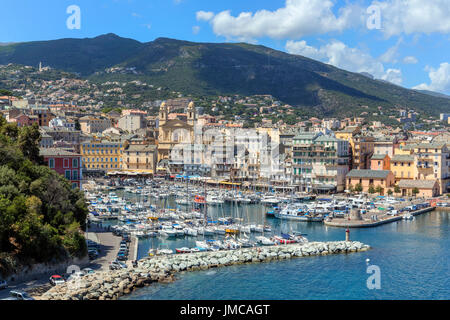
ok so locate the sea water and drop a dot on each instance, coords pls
(412, 256)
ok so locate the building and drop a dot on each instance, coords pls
(174, 132)
(90, 124)
(102, 154)
(362, 151)
(140, 158)
(424, 188)
(367, 178)
(380, 162)
(63, 134)
(65, 163)
(44, 115)
(384, 145)
(320, 163)
(362, 147)
(432, 162)
(132, 122)
(403, 167)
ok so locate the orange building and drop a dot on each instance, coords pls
(380, 162)
(366, 178)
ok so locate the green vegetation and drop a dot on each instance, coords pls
(41, 215)
(211, 69)
(358, 187)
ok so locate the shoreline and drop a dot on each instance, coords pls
(111, 285)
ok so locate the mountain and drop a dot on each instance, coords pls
(224, 68)
(83, 56)
(434, 94)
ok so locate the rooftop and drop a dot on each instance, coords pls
(366, 173)
(419, 184)
(51, 152)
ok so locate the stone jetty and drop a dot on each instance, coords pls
(110, 285)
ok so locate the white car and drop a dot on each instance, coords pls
(3, 284)
(18, 295)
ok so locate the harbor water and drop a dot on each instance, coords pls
(412, 257)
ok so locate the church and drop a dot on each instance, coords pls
(172, 132)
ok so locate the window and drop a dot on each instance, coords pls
(66, 163)
(51, 163)
(74, 185)
(74, 175)
(67, 174)
(74, 163)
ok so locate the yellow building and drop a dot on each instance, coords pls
(432, 162)
(102, 154)
(403, 167)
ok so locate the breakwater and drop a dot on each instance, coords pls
(110, 285)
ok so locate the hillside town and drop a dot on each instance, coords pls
(321, 156)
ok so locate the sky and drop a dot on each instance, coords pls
(406, 42)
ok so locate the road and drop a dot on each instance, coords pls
(109, 246)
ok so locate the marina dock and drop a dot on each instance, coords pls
(346, 223)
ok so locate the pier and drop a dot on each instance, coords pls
(346, 223)
(110, 285)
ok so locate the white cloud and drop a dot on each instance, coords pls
(440, 79)
(195, 29)
(295, 20)
(393, 76)
(410, 60)
(390, 56)
(340, 55)
(204, 16)
(414, 16)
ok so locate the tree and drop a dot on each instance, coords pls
(415, 191)
(29, 141)
(77, 125)
(390, 192)
(351, 188)
(358, 187)
(379, 189)
(371, 189)
(397, 189)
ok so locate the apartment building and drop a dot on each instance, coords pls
(91, 124)
(320, 162)
(102, 154)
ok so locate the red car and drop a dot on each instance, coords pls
(56, 279)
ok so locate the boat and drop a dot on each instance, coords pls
(265, 241)
(408, 216)
(183, 250)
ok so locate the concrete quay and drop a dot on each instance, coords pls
(345, 223)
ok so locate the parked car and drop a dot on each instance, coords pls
(18, 295)
(87, 271)
(93, 253)
(3, 284)
(117, 265)
(121, 257)
(56, 280)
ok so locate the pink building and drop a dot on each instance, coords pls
(65, 163)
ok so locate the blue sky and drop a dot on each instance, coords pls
(410, 48)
